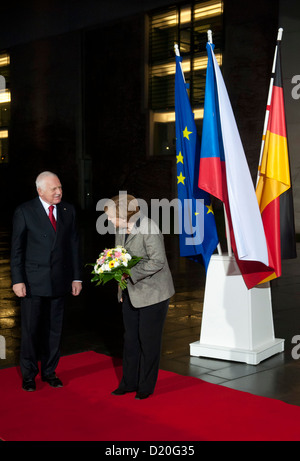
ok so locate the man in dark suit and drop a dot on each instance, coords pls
(45, 266)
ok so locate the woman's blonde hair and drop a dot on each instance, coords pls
(122, 206)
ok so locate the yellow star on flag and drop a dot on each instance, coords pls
(186, 133)
(210, 210)
(179, 158)
(180, 179)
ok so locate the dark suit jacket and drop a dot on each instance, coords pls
(45, 260)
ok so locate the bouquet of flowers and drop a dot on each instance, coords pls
(112, 264)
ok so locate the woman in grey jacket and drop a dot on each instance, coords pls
(145, 302)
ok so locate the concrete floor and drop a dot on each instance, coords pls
(93, 322)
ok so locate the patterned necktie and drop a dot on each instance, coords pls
(51, 216)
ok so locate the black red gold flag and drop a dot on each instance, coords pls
(274, 186)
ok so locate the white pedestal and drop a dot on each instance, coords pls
(237, 323)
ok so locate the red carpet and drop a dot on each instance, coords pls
(182, 408)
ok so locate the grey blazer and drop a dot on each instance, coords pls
(151, 280)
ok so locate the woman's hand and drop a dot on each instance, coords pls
(124, 277)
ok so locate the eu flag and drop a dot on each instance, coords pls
(198, 236)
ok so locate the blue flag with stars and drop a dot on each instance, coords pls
(198, 236)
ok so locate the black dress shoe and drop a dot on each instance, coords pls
(142, 395)
(119, 391)
(29, 386)
(52, 380)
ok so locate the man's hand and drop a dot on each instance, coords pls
(76, 288)
(19, 289)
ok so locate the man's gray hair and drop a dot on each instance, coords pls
(40, 180)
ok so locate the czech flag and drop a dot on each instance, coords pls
(224, 173)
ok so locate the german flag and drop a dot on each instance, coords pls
(274, 188)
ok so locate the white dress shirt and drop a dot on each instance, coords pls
(46, 206)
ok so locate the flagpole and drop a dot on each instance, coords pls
(279, 38)
(209, 38)
(178, 54)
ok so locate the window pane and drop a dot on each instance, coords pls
(4, 106)
(164, 138)
(187, 26)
